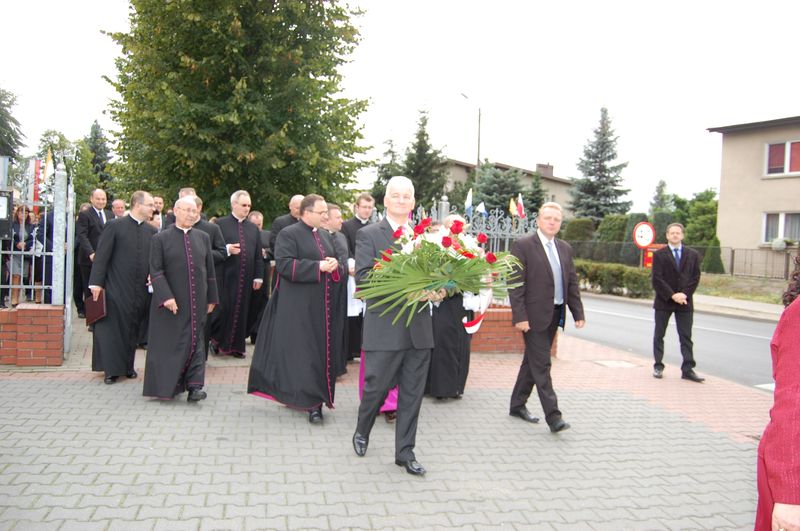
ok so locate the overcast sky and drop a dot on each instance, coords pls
(539, 72)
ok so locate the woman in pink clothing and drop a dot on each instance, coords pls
(779, 450)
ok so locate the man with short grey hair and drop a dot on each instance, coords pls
(240, 273)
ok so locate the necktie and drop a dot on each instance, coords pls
(102, 217)
(558, 277)
(677, 256)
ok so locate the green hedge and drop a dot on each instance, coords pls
(616, 279)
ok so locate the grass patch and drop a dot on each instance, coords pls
(743, 288)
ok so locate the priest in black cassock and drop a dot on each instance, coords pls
(292, 361)
(280, 223)
(120, 269)
(240, 273)
(217, 250)
(365, 204)
(332, 225)
(184, 293)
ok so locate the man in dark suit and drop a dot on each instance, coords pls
(88, 229)
(676, 274)
(549, 283)
(395, 354)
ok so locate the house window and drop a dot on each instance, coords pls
(782, 225)
(783, 158)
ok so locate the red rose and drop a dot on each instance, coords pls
(482, 238)
(447, 241)
(491, 258)
(398, 233)
(418, 230)
(456, 245)
(426, 222)
(387, 255)
(457, 227)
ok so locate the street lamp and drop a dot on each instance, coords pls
(478, 163)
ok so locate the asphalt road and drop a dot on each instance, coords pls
(733, 348)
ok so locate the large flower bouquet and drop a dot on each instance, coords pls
(429, 262)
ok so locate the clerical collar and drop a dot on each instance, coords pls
(238, 219)
(181, 228)
(137, 220)
(363, 221)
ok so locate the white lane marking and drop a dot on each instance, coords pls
(707, 329)
(767, 387)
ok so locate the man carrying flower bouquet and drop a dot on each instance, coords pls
(396, 353)
(538, 308)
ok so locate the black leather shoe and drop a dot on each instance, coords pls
(693, 376)
(390, 416)
(412, 467)
(108, 380)
(237, 355)
(196, 395)
(133, 374)
(360, 444)
(559, 425)
(658, 373)
(315, 415)
(524, 414)
(81, 315)
(214, 349)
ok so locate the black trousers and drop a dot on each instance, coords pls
(683, 321)
(535, 370)
(408, 369)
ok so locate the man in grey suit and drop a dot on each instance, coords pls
(394, 353)
(538, 309)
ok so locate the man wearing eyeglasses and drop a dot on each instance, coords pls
(293, 357)
(241, 272)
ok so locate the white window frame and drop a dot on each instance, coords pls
(781, 223)
(786, 156)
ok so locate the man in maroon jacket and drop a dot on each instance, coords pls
(538, 308)
(676, 274)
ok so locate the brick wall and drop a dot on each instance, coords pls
(32, 335)
(497, 334)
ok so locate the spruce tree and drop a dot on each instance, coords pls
(425, 166)
(662, 201)
(386, 170)
(599, 191)
(96, 143)
(496, 187)
(534, 195)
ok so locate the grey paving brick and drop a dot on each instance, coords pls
(94, 525)
(178, 525)
(227, 524)
(81, 514)
(127, 525)
(37, 526)
(116, 513)
(266, 523)
(206, 511)
(158, 512)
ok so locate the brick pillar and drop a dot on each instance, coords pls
(497, 333)
(38, 335)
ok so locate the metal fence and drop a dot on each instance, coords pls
(34, 264)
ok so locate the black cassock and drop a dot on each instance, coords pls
(120, 267)
(181, 268)
(339, 338)
(449, 367)
(293, 358)
(235, 276)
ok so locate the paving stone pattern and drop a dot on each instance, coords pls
(642, 454)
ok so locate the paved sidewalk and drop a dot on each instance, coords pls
(642, 453)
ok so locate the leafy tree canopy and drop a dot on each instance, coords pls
(237, 94)
(10, 134)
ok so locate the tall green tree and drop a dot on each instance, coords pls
(701, 228)
(662, 201)
(599, 191)
(101, 155)
(238, 94)
(425, 166)
(496, 187)
(84, 177)
(10, 134)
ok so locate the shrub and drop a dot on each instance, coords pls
(712, 261)
(579, 230)
(638, 283)
(612, 229)
(614, 278)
